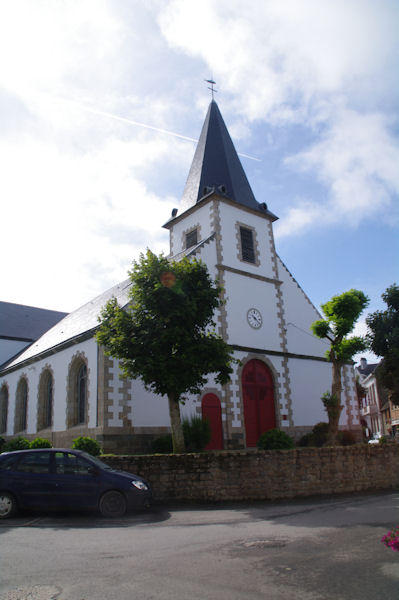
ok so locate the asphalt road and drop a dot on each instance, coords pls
(317, 549)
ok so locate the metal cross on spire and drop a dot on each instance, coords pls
(212, 84)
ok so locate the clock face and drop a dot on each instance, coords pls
(254, 318)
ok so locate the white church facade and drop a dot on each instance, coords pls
(63, 385)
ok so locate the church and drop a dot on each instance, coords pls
(63, 385)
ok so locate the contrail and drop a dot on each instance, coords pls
(111, 116)
(102, 113)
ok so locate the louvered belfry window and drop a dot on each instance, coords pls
(191, 238)
(247, 245)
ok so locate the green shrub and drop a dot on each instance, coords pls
(346, 438)
(320, 428)
(197, 434)
(163, 444)
(320, 433)
(40, 443)
(18, 443)
(87, 444)
(306, 440)
(2, 443)
(317, 437)
(275, 439)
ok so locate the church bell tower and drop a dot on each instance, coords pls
(220, 221)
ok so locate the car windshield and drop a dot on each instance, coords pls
(97, 462)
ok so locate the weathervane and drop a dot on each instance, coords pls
(212, 84)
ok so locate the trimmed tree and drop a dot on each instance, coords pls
(383, 338)
(341, 314)
(165, 336)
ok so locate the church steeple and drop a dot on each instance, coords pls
(216, 168)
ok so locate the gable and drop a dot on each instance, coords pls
(299, 314)
(81, 323)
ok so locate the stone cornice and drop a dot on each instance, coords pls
(248, 274)
(279, 353)
(214, 196)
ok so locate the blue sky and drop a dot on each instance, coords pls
(89, 90)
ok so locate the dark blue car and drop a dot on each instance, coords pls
(59, 478)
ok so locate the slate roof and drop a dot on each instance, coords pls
(27, 323)
(192, 251)
(216, 168)
(366, 370)
(82, 321)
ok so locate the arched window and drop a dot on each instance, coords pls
(82, 393)
(3, 408)
(46, 400)
(21, 406)
(77, 409)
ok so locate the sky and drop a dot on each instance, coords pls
(100, 101)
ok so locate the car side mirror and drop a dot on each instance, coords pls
(92, 470)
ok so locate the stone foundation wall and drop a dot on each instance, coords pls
(135, 441)
(258, 475)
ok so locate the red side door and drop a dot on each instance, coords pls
(212, 412)
(258, 399)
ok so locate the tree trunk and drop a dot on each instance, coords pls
(175, 423)
(335, 411)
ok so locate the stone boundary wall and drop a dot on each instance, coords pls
(264, 475)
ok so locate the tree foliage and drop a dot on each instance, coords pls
(383, 338)
(341, 314)
(275, 439)
(40, 443)
(87, 444)
(197, 433)
(166, 336)
(18, 443)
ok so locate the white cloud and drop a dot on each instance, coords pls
(361, 330)
(60, 207)
(50, 44)
(76, 181)
(356, 159)
(325, 65)
(278, 57)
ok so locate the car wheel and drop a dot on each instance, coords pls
(8, 505)
(112, 504)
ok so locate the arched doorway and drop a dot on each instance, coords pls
(212, 411)
(258, 399)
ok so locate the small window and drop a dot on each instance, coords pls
(247, 245)
(191, 238)
(70, 464)
(7, 462)
(37, 462)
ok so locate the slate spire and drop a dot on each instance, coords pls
(217, 168)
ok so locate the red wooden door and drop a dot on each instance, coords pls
(258, 399)
(212, 411)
